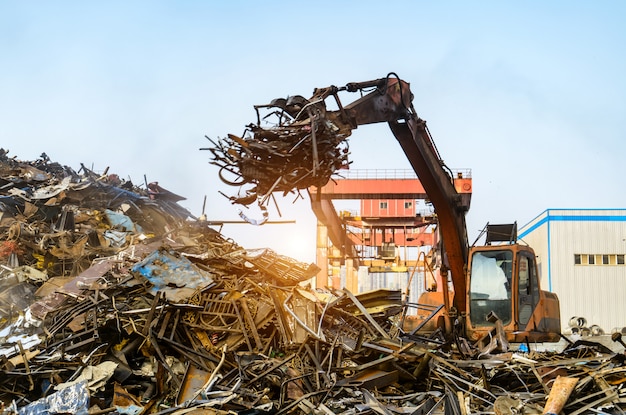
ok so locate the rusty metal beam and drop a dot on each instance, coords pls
(326, 214)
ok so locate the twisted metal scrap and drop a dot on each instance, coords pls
(297, 144)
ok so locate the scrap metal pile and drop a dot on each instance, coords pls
(114, 299)
(294, 144)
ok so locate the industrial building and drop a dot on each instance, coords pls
(581, 257)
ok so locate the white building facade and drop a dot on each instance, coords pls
(581, 257)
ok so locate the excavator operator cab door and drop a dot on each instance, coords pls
(527, 288)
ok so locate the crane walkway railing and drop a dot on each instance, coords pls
(359, 174)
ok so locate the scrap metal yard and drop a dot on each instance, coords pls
(320, 208)
(117, 300)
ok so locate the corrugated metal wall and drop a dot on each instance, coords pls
(595, 292)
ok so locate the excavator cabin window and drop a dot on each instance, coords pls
(528, 288)
(490, 286)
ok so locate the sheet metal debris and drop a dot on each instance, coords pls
(170, 317)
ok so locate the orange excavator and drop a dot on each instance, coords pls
(495, 286)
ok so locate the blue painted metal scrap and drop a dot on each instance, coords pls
(71, 400)
(171, 272)
(122, 222)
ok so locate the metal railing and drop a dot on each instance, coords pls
(353, 174)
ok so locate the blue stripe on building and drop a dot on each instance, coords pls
(567, 218)
(580, 218)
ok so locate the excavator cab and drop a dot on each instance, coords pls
(503, 284)
(502, 293)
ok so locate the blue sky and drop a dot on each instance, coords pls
(529, 95)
